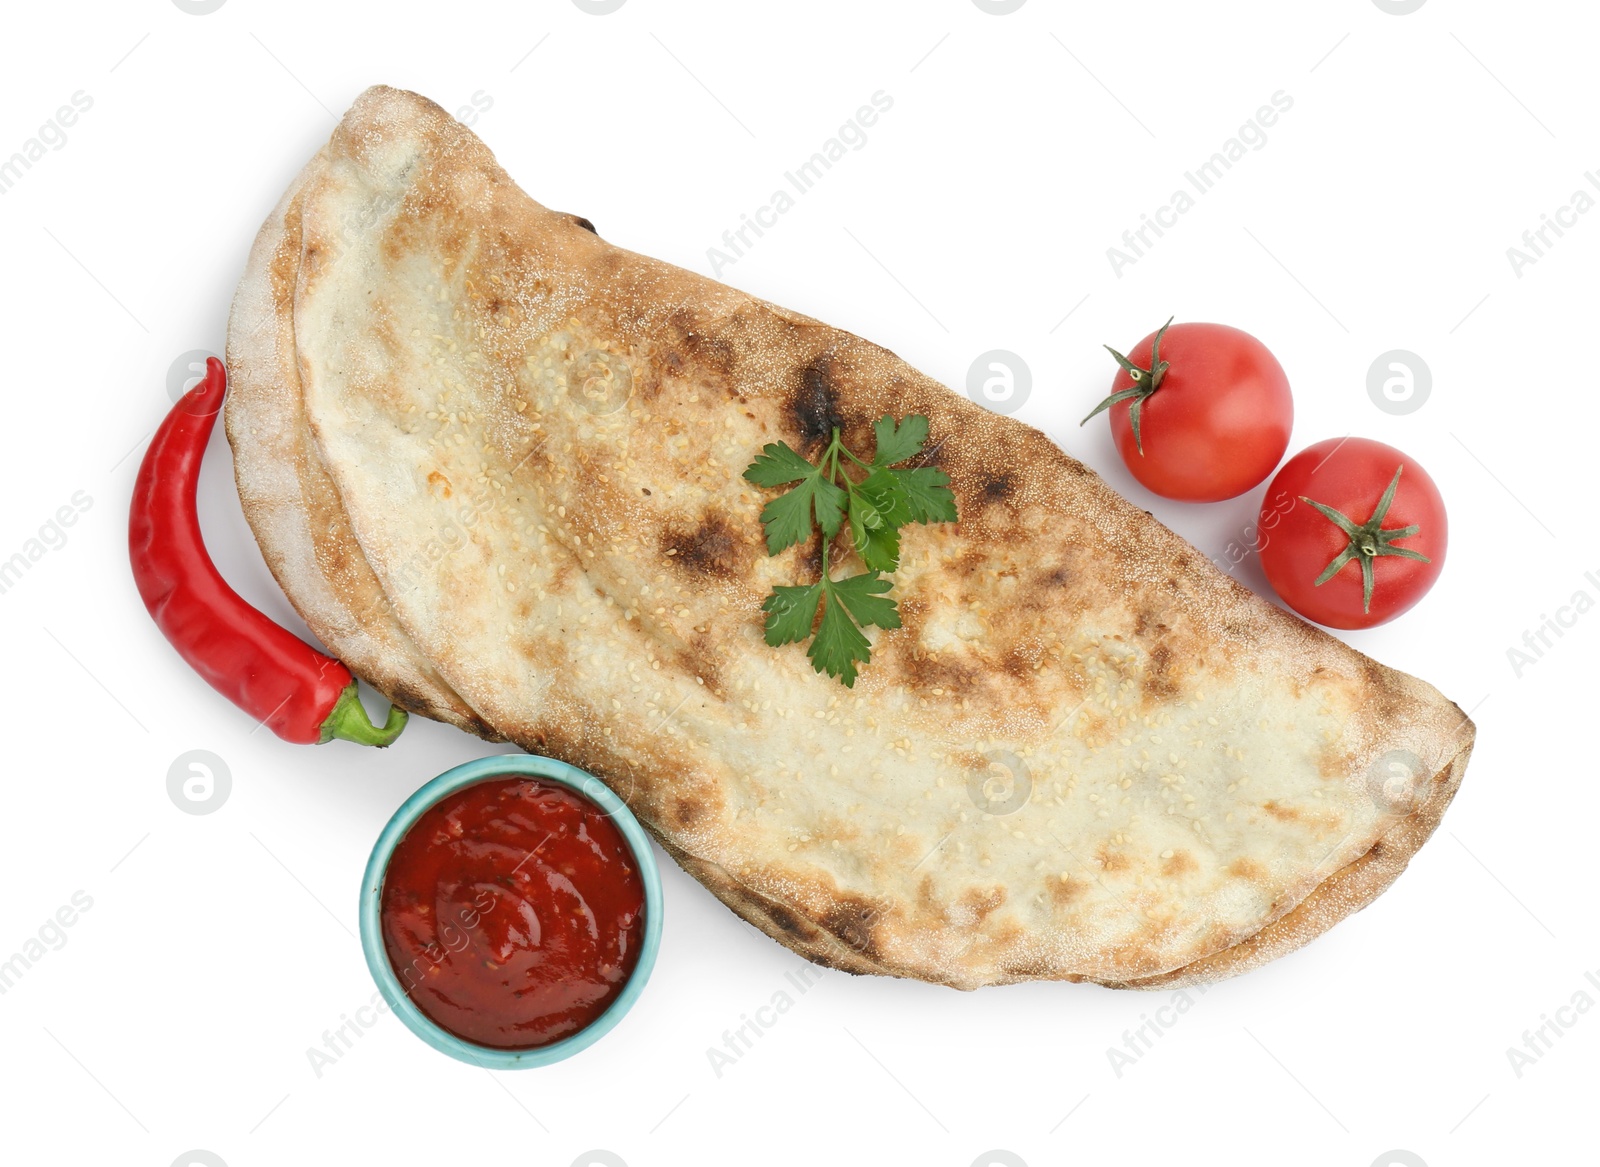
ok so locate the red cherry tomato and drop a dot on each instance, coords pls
(1367, 507)
(1212, 408)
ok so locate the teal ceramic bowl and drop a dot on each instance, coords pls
(549, 770)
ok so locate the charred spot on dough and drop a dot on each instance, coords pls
(1065, 890)
(997, 487)
(648, 387)
(1056, 577)
(851, 920)
(1146, 621)
(1021, 660)
(713, 547)
(781, 918)
(1244, 868)
(409, 699)
(1179, 863)
(686, 812)
(811, 558)
(954, 674)
(698, 660)
(1112, 860)
(979, 904)
(1156, 680)
(814, 403)
(438, 484)
(691, 345)
(1283, 814)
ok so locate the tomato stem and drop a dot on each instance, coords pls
(1145, 382)
(1368, 540)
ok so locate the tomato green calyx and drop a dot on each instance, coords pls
(1145, 382)
(349, 722)
(1368, 540)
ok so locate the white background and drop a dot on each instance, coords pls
(179, 1011)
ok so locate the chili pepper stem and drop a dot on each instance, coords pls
(349, 721)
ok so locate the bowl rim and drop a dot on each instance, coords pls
(457, 778)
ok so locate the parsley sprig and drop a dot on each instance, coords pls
(824, 496)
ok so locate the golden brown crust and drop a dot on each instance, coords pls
(1200, 763)
(1342, 894)
(289, 499)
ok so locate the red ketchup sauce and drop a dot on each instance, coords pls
(513, 912)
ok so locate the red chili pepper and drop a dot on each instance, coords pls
(303, 695)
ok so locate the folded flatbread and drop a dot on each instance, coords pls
(496, 463)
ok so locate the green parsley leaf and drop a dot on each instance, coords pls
(791, 611)
(887, 494)
(820, 497)
(863, 596)
(927, 493)
(778, 465)
(839, 644)
(896, 443)
(878, 545)
(788, 517)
